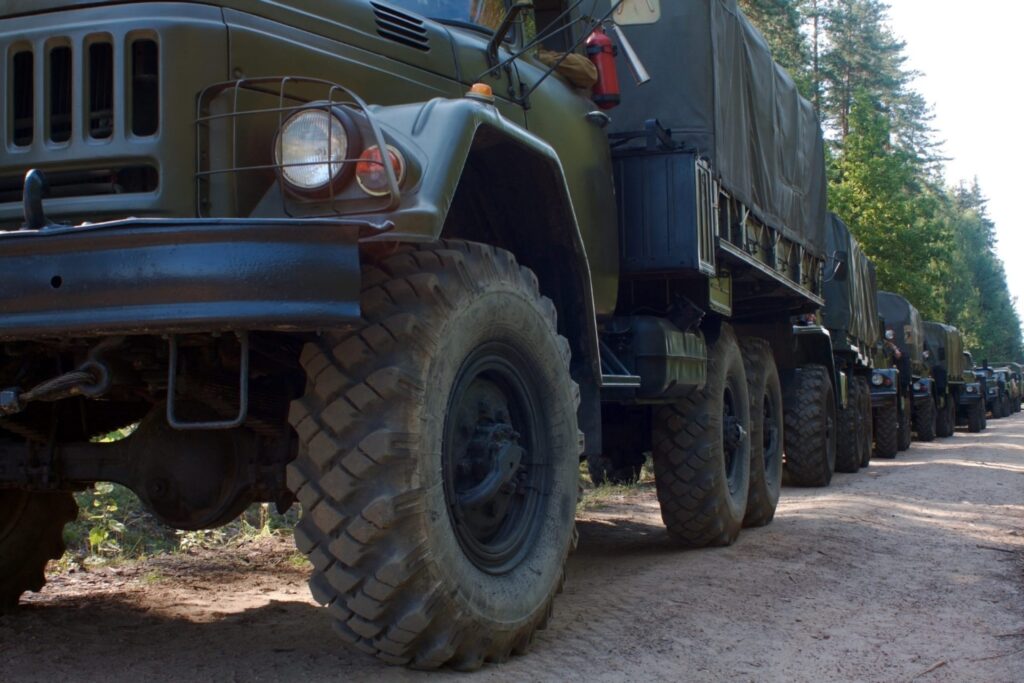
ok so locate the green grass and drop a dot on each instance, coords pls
(114, 527)
(596, 497)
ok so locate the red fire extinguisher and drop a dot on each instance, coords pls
(602, 52)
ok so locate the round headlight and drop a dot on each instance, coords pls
(877, 380)
(917, 386)
(310, 149)
(971, 389)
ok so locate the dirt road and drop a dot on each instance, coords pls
(910, 570)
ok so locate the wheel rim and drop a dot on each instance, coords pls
(733, 436)
(494, 473)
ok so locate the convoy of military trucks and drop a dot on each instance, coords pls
(396, 263)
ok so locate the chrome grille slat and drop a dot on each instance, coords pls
(64, 91)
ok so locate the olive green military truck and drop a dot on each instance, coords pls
(915, 401)
(999, 388)
(851, 317)
(383, 259)
(957, 395)
(1012, 371)
(978, 415)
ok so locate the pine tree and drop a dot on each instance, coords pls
(780, 23)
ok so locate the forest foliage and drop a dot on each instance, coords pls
(931, 242)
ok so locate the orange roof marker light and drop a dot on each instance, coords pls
(482, 92)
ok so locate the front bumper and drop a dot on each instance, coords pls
(142, 276)
(883, 397)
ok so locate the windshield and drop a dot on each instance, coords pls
(485, 13)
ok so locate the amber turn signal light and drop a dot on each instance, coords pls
(370, 172)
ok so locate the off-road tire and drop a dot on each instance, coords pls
(810, 421)
(904, 434)
(388, 561)
(866, 435)
(945, 418)
(31, 534)
(703, 495)
(976, 417)
(886, 431)
(924, 419)
(997, 408)
(764, 389)
(848, 429)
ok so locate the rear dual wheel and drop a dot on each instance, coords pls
(701, 448)
(810, 427)
(438, 460)
(766, 431)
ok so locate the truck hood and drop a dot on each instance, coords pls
(13, 8)
(345, 21)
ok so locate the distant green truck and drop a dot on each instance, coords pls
(915, 403)
(1012, 371)
(958, 396)
(851, 317)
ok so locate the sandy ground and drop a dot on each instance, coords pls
(911, 570)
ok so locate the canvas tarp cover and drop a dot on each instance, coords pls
(946, 347)
(851, 307)
(900, 315)
(714, 84)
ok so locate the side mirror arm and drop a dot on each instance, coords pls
(511, 16)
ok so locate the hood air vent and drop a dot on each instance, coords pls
(400, 27)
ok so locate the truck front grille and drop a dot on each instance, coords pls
(86, 182)
(101, 90)
(22, 98)
(145, 88)
(60, 93)
(59, 68)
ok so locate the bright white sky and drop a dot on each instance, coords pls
(971, 55)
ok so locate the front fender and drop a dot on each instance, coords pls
(887, 391)
(483, 177)
(923, 388)
(814, 345)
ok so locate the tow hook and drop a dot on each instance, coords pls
(91, 378)
(35, 189)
